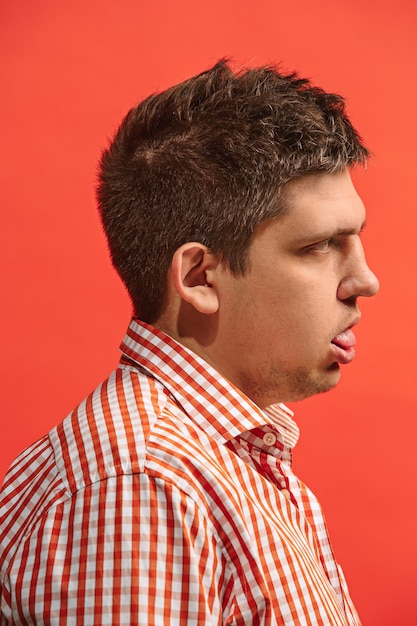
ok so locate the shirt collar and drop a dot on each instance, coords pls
(217, 406)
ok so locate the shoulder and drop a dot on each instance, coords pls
(107, 434)
(128, 438)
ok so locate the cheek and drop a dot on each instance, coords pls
(305, 321)
(293, 309)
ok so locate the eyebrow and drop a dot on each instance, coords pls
(338, 232)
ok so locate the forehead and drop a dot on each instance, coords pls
(322, 202)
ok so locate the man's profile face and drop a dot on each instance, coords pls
(286, 321)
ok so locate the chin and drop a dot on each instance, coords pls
(305, 385)
(293, 386)
(328, 382)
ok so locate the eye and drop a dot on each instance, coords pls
(321, 246)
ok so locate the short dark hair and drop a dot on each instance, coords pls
(208, 160)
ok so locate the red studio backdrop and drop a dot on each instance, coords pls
(69, 72)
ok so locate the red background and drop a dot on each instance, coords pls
(69, 71)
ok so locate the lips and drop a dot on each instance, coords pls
(344, 344)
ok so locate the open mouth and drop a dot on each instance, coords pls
(345, 340)
(345, 343)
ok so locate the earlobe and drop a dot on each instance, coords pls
(191, 264)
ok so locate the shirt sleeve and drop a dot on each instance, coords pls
(127, 550)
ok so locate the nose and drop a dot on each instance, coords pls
(359, 279)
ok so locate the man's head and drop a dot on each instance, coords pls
(209, 160)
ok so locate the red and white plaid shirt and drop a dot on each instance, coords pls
(166, 497)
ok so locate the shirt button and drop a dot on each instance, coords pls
(269, 439)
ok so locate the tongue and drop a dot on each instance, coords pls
(345, 340)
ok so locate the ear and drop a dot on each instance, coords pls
(191, 269)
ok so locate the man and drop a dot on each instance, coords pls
(167, 496)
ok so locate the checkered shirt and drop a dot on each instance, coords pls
(166, 498)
